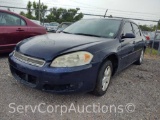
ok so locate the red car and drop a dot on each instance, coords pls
(14, 28)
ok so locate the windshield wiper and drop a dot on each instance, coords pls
(66, 32)
(87, 34)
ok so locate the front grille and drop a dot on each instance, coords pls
(28, 60)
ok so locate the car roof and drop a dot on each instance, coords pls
(120, 19)
(8, 12)
(102, 19)
(109, 18)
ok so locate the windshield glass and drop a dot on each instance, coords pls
(95, 27)
(54, 24)
(46, 24)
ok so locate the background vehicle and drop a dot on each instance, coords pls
(53, 27)
(62, 26)
(147, 35)
(14, 28)
(157, 40)
(82, 58)
(46, 25)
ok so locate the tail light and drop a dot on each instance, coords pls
(147, 37)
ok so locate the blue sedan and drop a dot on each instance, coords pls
(82, 58)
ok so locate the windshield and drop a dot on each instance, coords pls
(54, 24)
(46, 24)
(95, 27)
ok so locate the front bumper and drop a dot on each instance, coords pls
(56, 80)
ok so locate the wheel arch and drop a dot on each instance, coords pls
(114, 59)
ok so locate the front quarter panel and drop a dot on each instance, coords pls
(107, 49)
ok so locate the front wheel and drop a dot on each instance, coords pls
(140, 59)
(103, 79)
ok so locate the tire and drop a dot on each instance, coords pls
(103, 79)
(140, 59)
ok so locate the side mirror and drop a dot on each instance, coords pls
(128, 35)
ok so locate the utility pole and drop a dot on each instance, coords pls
(39, 10)
(105, 13)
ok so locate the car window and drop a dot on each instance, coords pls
(136, 30)
(152, 35)
(64, 26)
(127, 28)
(158, 36)
(2, 19)
(23, 23)
(10, 20)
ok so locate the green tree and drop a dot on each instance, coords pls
(22, 13)
(43, 9)
(34, 8)
(56, 14)
(64, 15)
(29, 11)
(145, 28)
(154, 27)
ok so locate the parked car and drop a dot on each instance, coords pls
(53, 27)
(147, 35)
(62, 26)
(46, 25)
(81, 59)
(156, 41)
(14, 28)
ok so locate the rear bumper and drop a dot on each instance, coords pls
(7, 48)
(56, 80)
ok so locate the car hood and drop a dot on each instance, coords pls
(51, 45)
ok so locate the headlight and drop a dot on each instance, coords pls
(72, 59)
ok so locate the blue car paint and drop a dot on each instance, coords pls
(83, 75)
(50, 46)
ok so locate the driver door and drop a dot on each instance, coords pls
(127, 46)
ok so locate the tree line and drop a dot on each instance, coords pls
(61, 15)
(53, 15)
(148, 28)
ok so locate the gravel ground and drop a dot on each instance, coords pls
(138, 85)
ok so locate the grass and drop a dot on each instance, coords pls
(154, 52)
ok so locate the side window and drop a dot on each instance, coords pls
(10, 20)
(127, 28)
(158, 36)
(23, 23)
(136, 30)
(2, 19)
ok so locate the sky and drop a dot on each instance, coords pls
(142, 9)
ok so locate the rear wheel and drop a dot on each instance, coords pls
(140, 59)
(103, 79)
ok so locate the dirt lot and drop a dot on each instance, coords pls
(139, 85)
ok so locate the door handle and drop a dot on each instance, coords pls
(19, 30)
